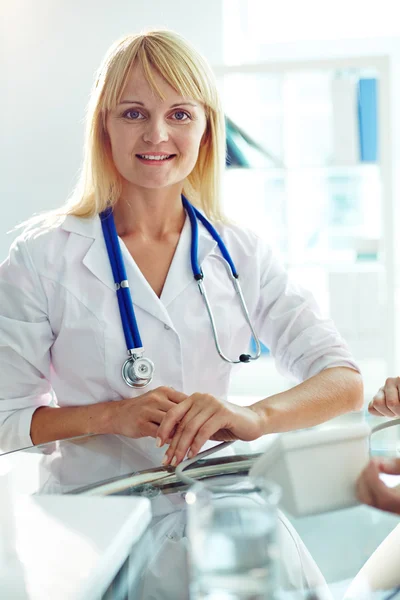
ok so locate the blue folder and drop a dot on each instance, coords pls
(368, 119)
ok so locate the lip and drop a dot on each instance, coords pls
(155, 153)
(155, 162)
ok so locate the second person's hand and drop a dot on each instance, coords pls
(386, 402)
(371, 489)
(202, 417)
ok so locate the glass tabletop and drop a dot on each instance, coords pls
(340, 542)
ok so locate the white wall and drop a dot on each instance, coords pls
(266, 23)
(49, 53)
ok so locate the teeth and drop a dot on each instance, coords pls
(152, 157)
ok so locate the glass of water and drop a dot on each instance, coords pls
(232, 533)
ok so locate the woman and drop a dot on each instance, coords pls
(155, 131)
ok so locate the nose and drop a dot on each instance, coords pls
(156, 131)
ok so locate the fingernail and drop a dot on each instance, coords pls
(190, 454)
(173, 461)
(164, 460)
(158, 442)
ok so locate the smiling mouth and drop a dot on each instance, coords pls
(156, 158)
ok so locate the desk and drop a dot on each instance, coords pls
(340, 542)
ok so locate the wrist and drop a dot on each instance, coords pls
(101, 419)
(263, 414)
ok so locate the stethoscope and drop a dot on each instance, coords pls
(137, 370)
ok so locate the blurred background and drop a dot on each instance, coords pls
(312, 98)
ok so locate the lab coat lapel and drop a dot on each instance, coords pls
(142, 293)
(180, 274)
(96, 257)
(97, 261)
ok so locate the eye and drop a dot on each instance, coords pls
(133, 115)
(181, 115)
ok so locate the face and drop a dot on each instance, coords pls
(155, 143)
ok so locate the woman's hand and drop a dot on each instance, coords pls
(141, 416)
(371, 490)
(386, 402)
(202, 417)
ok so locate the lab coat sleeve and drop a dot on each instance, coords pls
(290, 324)
(25, 341)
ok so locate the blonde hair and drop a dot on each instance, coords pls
(189, 74)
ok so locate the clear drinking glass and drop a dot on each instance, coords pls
(232, 533)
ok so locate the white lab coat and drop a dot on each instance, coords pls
(61, 334)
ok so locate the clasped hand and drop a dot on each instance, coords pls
(201, 417)
(185, 422)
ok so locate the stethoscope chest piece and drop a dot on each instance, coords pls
(138, 373)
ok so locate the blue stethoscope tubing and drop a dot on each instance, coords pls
(137, 370)
(129, 324)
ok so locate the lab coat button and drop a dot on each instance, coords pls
(167, 327)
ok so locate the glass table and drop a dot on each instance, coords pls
(104, 465)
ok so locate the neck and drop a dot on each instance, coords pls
(150, 214)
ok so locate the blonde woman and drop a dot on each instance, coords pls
(155, 139)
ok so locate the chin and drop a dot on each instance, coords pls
(155, 184)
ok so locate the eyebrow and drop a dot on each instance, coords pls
(172, 105)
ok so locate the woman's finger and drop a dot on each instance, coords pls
(214, 424)
(180, 429)
(150, 430)
(171, 436)
(175, 396)
(185, 436)
(156, 416)
(172, 418)
(166, 398)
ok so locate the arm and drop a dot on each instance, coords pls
(380, 572)
(49, 424)
(330, 393)
(201, 417)
(133, 417)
